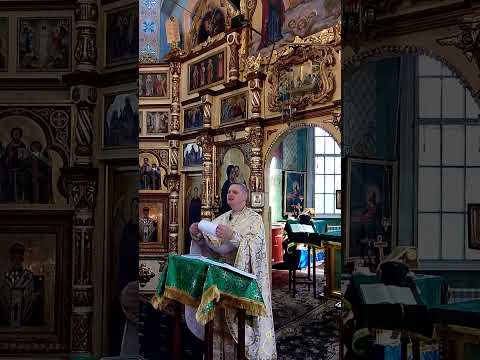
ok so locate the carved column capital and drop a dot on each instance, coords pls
(86, 17)
(233, 41)
(85, 98)
(336, 119)
(207, 111)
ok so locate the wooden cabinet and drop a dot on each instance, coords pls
(277, 238)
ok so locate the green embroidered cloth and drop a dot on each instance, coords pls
(199, 284)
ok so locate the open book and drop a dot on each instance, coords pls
(223, 265)
(389, 294)
(302, 228)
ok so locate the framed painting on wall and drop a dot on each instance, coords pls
(44, 44)
(234, 108)
(474, 226)
(207, 72)
(4, 42)
(153, 223)
(192, 206)
(371, 206)
(121, 36)
(35, 280)
(193, 118)
(157, 122)
(153, 85)
(121, 122)
(192, 156)
(232, 168)
(293, 192)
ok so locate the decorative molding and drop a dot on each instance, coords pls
(207, 143)
(467, 40)
(173, 184)
(86, 17)
(144, 274)
(175, 70)
(207, 111)
(82, 194)
(85, 98)
(254, 135)
(233, 41)
(256, 86)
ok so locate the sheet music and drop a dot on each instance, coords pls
(223, 265)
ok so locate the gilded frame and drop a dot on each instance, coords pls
(222, 81)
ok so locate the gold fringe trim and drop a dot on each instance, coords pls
(170, 293)
(251, 307)
(211, 294)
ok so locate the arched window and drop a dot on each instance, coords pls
(327, 173)
(448, 161)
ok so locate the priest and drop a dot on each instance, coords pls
(239, 241)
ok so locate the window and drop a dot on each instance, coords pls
(327, 173)
(448, 161)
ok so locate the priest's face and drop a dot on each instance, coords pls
(237, 197)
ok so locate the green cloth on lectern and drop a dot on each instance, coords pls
(203, 285)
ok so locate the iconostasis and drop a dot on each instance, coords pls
(217, 99)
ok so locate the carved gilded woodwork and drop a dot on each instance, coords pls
(85, 98)
(319, 90)
(233, 41)
(86, 17)
(207, 111)
(200, 9)
(173, 184)
(175, 70)
(256, 86)
(82, 194)
(254, 135)
(208, 184)
(467, 40)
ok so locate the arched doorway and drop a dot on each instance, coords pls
(302, 171)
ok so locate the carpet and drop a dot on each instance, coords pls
(305, 328)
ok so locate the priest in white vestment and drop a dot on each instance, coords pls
(240, 242)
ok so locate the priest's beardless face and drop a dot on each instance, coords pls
(237, 196)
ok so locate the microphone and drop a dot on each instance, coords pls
(230, 217)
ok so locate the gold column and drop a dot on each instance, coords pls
(233, 40)
(82, 191)
(254, 135)
(206, 142)
(207, 111)
(175, 70)
(255, 82)
(173, 184)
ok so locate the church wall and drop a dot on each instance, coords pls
(439, 43)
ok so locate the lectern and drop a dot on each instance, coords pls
(204, 284)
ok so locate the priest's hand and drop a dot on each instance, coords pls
(194, 230)
(224, 232)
